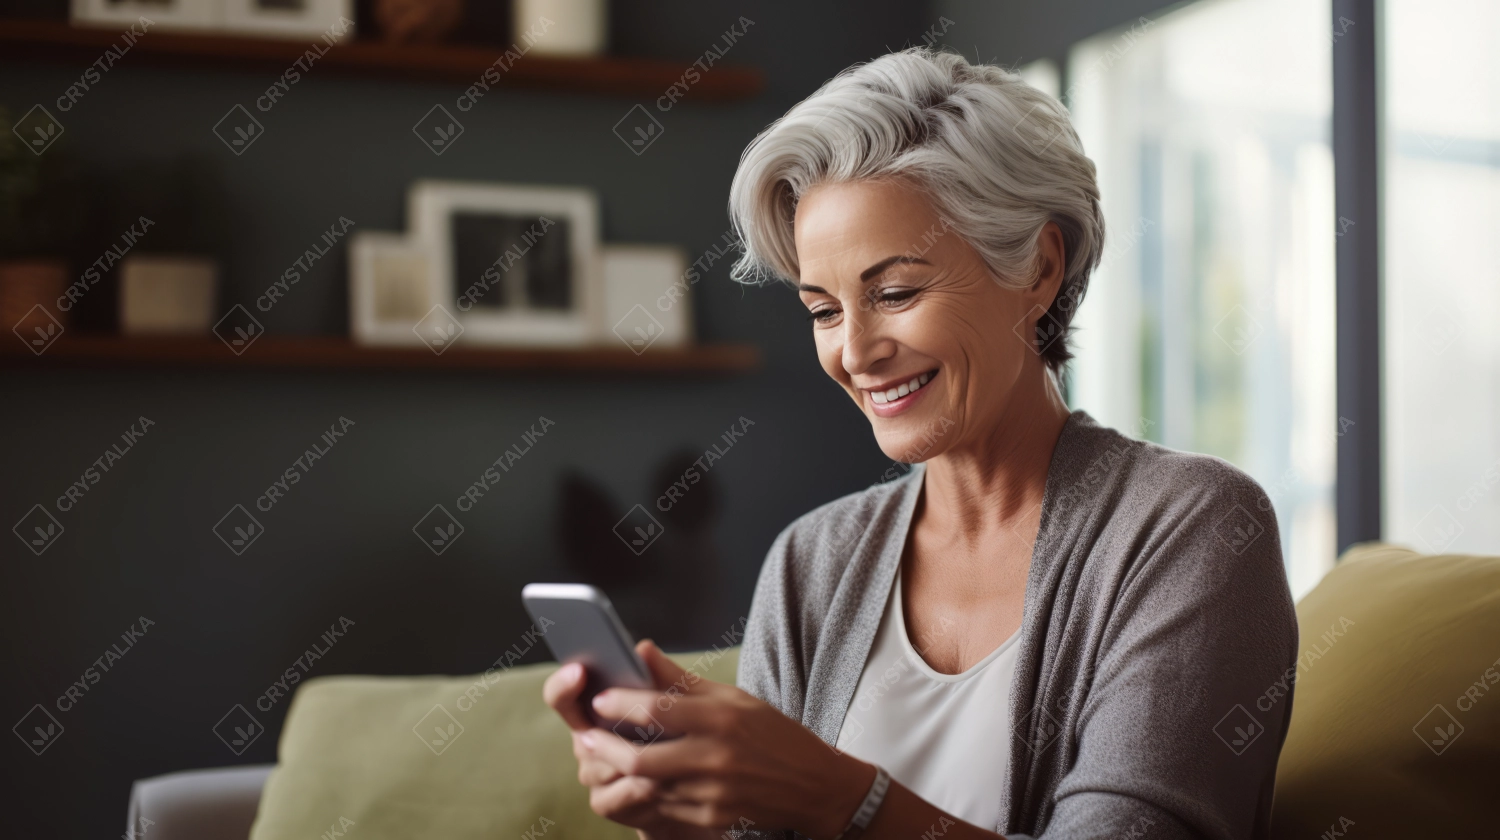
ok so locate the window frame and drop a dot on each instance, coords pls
(1356, 141)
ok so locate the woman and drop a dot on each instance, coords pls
(1045, 629)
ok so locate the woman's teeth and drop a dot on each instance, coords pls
(883, 397)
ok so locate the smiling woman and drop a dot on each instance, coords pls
(944, 307)
(1045, 628)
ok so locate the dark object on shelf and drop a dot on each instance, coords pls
(487, 23)
(671, 591)
(172, 207)
(436, 62)
(586, 516)
(184, 196)
(417, 21)
(692, 506)
(337, 353)
(160, 207)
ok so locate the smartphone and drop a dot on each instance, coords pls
(582, 627)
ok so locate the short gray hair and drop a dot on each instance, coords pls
(997, 158)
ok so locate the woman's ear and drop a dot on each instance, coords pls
(1051, 265)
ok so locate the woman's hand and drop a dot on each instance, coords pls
(736, 762)
(628, 801)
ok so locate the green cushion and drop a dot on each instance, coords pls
(348, 752)
(1390, 639)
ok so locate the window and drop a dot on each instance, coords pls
(1441, 207)
(1210, 325)
(1042, 74)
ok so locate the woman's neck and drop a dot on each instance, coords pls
(999, 474)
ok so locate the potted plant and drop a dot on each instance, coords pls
(39, 222)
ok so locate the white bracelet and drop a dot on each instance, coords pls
(866, 812)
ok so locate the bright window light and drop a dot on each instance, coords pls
(1210, 325)
(1441, 206)
(1043, 75)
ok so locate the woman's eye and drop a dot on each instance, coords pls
(896, 295)
(823, 316)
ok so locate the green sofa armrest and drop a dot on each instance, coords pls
(435, 757)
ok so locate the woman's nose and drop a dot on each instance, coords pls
(863, 344)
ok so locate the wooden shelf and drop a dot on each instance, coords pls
(338, 353)
(452, 63)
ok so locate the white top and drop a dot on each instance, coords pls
(945, 736)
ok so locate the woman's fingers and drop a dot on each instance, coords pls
(697, 790)
(691, 813)
(663, 670)
(595, 773)
(630, 705)
(591, 770)
(664, 759)
(623, 798)
(561, 691)
(650, 710)
(610, 749)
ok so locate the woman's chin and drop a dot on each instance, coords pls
(913, 437)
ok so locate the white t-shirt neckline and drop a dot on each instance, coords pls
(946, 737)
(898, 624)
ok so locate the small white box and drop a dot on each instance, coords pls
(572, 28)
(167, 295)
(653, 277)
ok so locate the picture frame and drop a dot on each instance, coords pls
(391, 288)
(167, 14)
(519, 264)
(330, 20)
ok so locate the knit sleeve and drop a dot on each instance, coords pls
(768, 657)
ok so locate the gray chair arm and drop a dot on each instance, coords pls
(215, 804)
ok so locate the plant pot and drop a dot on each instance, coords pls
(25, 284)
(418, 21)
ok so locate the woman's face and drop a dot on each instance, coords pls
(909, 320)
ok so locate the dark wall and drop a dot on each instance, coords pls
(138, 543)
(1014, 32)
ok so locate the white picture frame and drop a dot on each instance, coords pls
(391, 288)
(554, 259)
(329, 20)
(167, 14)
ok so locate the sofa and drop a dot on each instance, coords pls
(1395, 732)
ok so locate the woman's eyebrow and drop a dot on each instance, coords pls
(899, 259)
(871, 272)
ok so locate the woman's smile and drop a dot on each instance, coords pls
(891, 398)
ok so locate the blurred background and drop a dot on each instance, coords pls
(375, 311)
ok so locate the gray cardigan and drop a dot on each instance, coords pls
(1157, 618)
